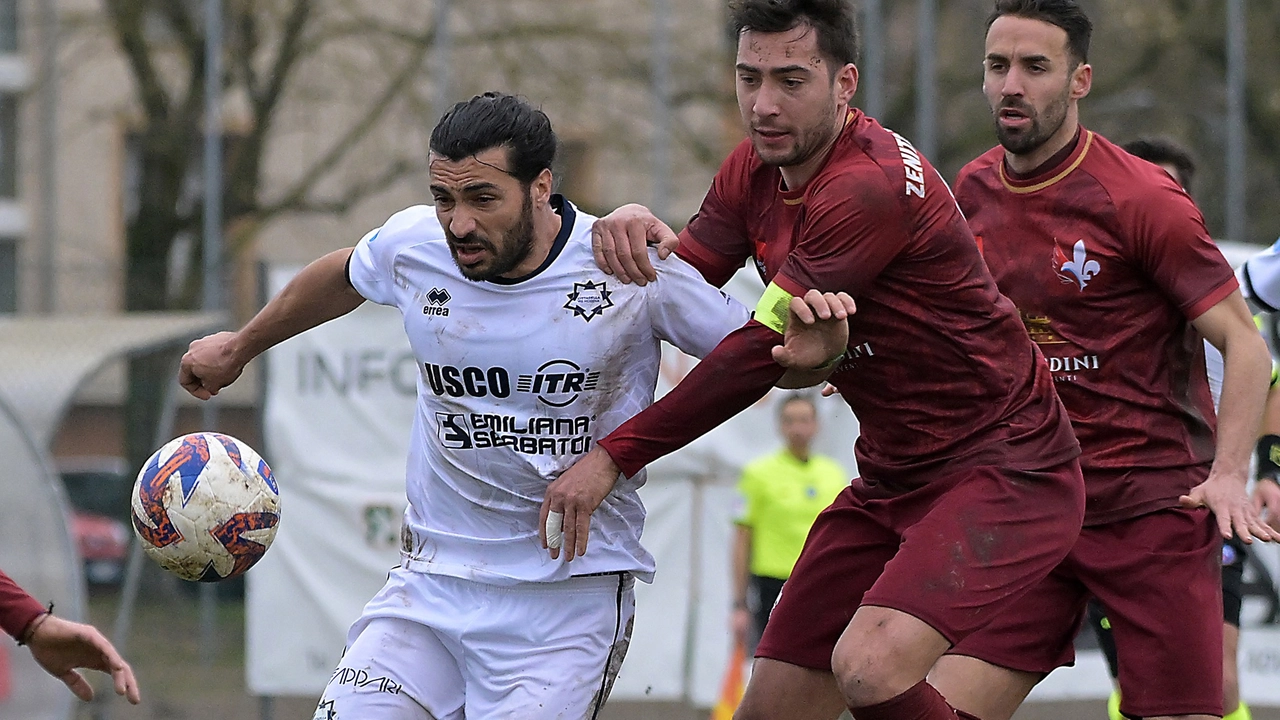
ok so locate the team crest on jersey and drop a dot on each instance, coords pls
(1076, 270)
(589, 299)
(1040, 328)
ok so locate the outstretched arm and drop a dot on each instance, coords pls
(61, 646)
(318, 294)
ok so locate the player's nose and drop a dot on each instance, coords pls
(765, 103)
(461, 223)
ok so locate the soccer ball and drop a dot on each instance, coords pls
(206, 507)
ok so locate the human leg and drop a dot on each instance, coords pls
(394, 669)
(967, 547)
(1230, 671)
(782, 691)
(882, 654)
(1234, 555)
(546, 650)
(1159, 575)
(990, 672)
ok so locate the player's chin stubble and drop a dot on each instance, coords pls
(1025, 142)
(515, 247)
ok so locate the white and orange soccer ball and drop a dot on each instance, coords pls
(206, 507)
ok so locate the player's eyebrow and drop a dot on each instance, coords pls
(472, 188)
(1000, 57)
(784, 70)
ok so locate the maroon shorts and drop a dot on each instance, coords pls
(1160, 577)
(951, 553)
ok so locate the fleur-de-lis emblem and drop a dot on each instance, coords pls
(1079, 270)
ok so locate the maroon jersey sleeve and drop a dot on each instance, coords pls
(853, 227)
(17, 608)
(716, 240)
(1174, 248)
(734, 376)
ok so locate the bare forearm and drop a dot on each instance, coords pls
(1246, 373)
(316, 295)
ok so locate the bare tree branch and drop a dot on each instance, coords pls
(309, 178)
(355, 193)
(127, 18)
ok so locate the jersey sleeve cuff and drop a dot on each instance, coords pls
(1216, 296)
(17, 618)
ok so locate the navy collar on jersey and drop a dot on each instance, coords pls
(564, 209)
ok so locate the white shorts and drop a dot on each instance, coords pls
(433, 647)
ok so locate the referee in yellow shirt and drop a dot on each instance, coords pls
(781, 496)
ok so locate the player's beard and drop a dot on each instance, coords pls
(514, 248)
(1043, 124)
(808, 141)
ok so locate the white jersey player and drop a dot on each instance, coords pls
(527, 353)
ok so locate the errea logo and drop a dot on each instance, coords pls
(437, 299)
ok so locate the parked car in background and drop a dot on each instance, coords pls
(98, 491)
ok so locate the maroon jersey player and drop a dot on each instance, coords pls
(1118, 282)
(970, 491)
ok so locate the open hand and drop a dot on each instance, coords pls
(1228, 502)
(60, 646)
(817, 330)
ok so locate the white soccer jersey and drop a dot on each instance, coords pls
(517, 380)
(1259, 278)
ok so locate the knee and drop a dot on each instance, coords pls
(867, 675)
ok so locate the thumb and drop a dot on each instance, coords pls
(783, 356)
(1191, 501)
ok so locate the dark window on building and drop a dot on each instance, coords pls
(8, 26)
(8, 275)
(8, 145)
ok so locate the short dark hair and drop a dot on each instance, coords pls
(497, 119)
(1066, 14)
(797, 397)
(835, 22)
(1165, 151)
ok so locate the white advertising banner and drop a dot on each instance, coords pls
(338, 410)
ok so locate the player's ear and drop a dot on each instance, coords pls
(540, 188)
(1081, 80)
(846, 82)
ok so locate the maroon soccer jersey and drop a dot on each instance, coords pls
(940, 370)
(1108, 261)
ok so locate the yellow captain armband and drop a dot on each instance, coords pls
(1275, 374)
(774, 308)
